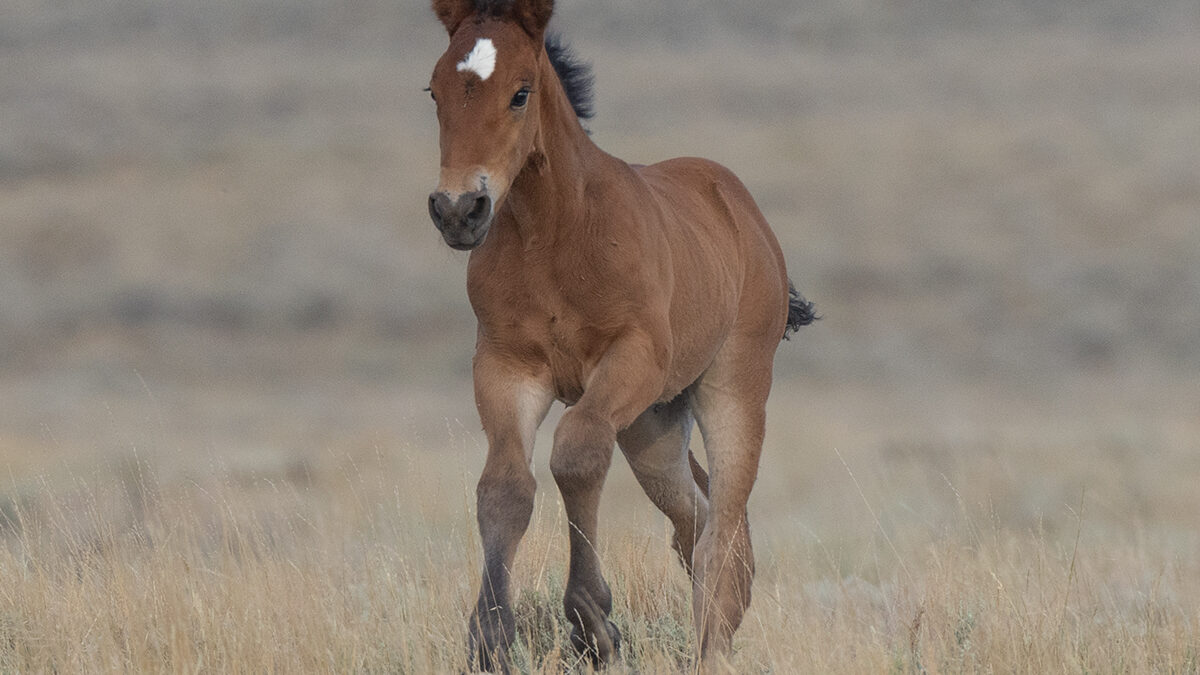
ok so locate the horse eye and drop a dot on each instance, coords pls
(520, 98)
(431, 94)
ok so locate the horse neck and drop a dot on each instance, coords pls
(547, 195)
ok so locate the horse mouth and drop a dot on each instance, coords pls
(460, 245)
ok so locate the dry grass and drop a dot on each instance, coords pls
(943, 556)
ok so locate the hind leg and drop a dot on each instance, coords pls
(656, 445)
(730, 406)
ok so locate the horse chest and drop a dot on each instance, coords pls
(542, 330)
(567, 337)
(545, 311)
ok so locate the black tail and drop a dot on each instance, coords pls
(800, 312)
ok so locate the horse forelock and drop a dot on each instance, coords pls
(492, 7)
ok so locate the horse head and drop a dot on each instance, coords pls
(486, 87)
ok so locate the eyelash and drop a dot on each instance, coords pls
(523, 93)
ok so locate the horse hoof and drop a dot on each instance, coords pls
(488, 662)
(600, 650)
(485, 659)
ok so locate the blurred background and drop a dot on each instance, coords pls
(216, 255)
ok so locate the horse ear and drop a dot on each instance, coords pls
(533, 15)
(452, 12)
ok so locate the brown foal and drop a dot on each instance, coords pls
(643, 297)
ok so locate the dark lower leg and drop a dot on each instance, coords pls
(582, 452)
(587, 600)
(505, 503)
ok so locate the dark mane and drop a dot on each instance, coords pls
(576, 76)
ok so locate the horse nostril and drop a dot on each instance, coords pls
(480, 209)
(465, 212)
(435, 211)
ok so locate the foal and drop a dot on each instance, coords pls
(642, 297)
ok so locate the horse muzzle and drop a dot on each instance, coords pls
(464, 220)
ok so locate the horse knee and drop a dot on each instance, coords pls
(504, 500)
(583, 446)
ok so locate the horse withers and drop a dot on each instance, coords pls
(642, 297)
